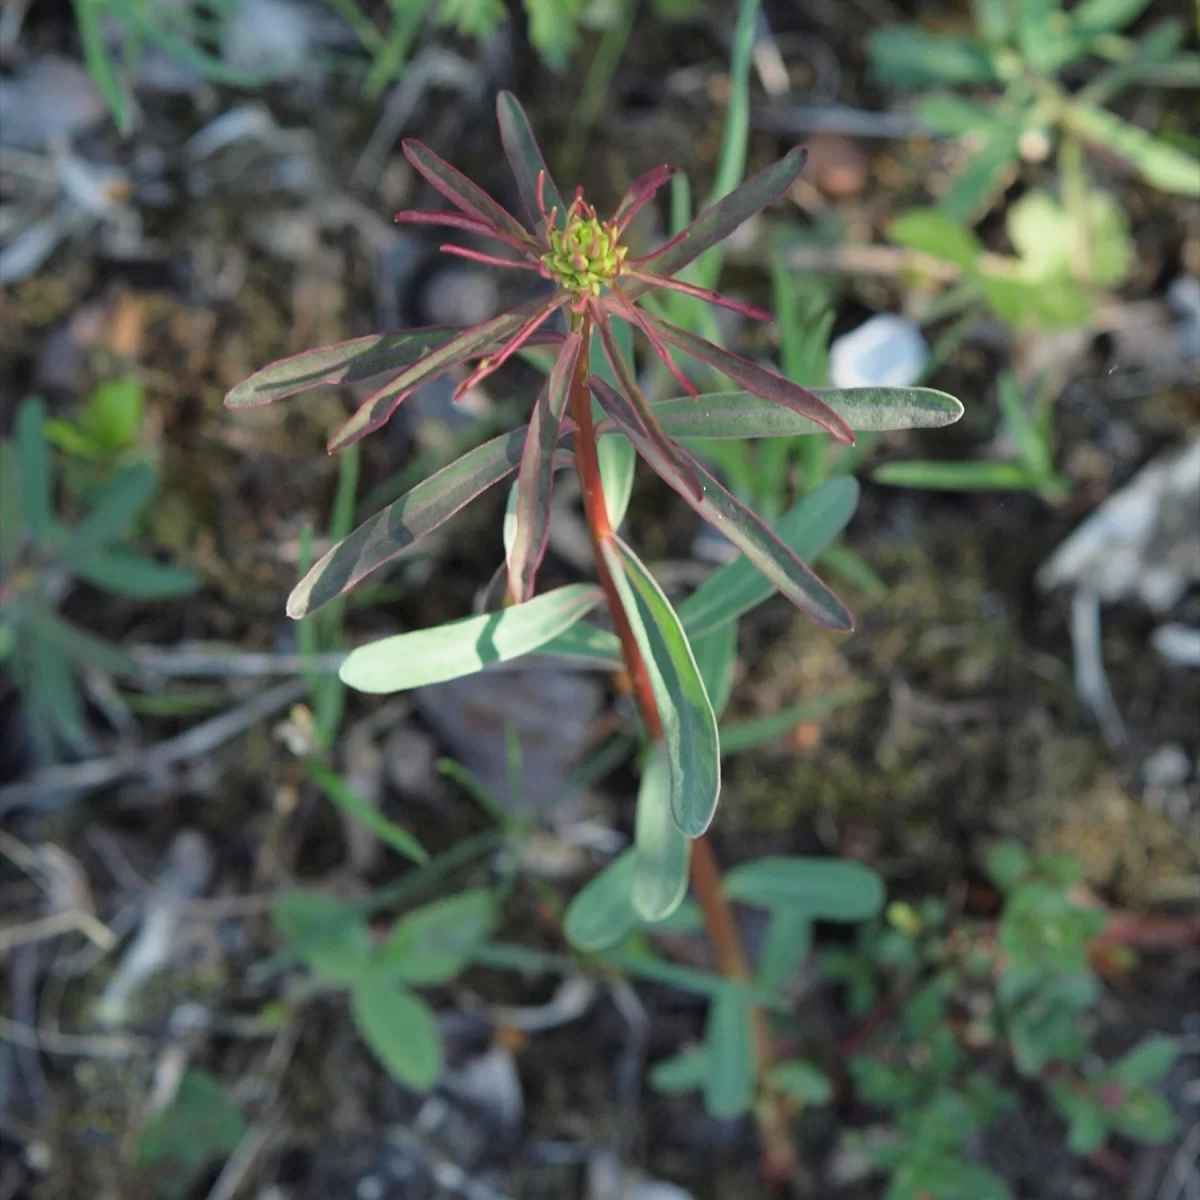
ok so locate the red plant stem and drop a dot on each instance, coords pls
(773, 1113)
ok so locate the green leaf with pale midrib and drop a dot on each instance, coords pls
(688, 725)
(396, 528)
(458, 648)
(741, 415)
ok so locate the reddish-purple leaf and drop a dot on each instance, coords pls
(715, 223)
(536, 479)
(641, 412)
(346, 362)
(526, 161)
(623, 307)
(701, 293)
(745, 529)
(438, 216)
(640, 193)
(462, 192)
(514, 343)
(479, 339)
(492, 260)
(396, 528)
(755, 379)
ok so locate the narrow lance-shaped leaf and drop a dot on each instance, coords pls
(661, 851)
(743, 415)
(124, 573)
(757, 380)
(769, 554)
(688, 725)
(640, 193)
(826, 888)
(344, 363)
(33, 456)
(729, 1051)
(1160, 163)
(525, 159)
(463, 192)
(79, 645)
(808, 527)
(715, 223)
(459, 648)
(536, 478)
(478, 340)
(646, 419)
(116, 506)
(399, 526)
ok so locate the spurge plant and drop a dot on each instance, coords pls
(678, 663)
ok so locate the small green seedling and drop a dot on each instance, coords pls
(1013, 62)
(42, 557)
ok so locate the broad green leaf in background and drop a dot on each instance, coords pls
(345, 955)
(1057, 303)
(1086, 1127)
(1145, 1116)
(802, 1081)
(124, 573)
(1102, 16)
(739, 586)
(685, 1072)
(115, 507)
(825, 888)
(434, 943)
(907, 57)
(601, 914)
(951, 115)
(52, 684)
(1045, 37)
(993, 19)
(1146, 1063)
(554, 29)
(688, 725)
(933, 232)
(869, 409)
(1160, 164)
(986, 175)
(660, 852)
(458, 648)
(401, 1030)
(729, 1050)
(78, 645)
(788, 942)
(11, 519)
(33, 456)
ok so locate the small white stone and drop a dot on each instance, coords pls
(886, 351)
(1167, 767)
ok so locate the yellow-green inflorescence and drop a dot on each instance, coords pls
(586, 255)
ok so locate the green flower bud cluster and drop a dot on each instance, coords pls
(585, 256)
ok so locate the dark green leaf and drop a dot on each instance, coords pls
(343, 954)
(681, 1073)
(802, 1081)
(1103, 16)
(344, 363)
(788, 943)
(933, 232)
(1146, 1117)
(952, 115)
(525, 159)
(824, 888)
(716, 657)
(602, 913)
(716, 222)
(908, 57)
(124, 573)
(80, 646)
(985, 176)
(11, 521)
(739, 586)
(742, 415)
(729, 1049)
(1146, 1063)
(33, 456)
(434, 943)
(401, 1030)
(115, 507)
(689, 727)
